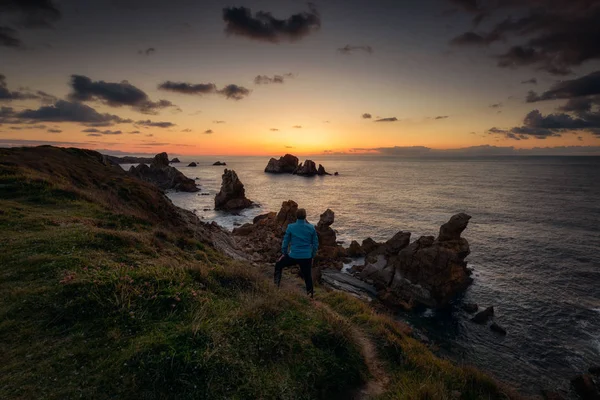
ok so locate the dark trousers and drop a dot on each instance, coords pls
(305, 269)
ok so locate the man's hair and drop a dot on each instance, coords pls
(301, 213)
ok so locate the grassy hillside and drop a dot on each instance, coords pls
(105, 292)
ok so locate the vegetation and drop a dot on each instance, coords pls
(105, 292)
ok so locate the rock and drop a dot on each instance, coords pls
(470, 307)
(219, 163)
(594, 370)
(335, 173)
(497, 328)
(327, 236)
(321, 170)
(161, 174)
(287, 214)
(307, 169)
(550, 395)
(584, 386)
(286, 164)
(355, 250)
(452, 229)
(369, 245)
(483, 316)
(232, 195)
(192, 164)
(399, 241)
(128, 160)
(175, 160)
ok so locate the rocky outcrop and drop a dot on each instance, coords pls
(497, 328)
(160, 173)
(285, 165)
(483, 316)
(329, 253)
(129, 160)
(321, 170)
(585, 387)
(355, 250)
(192, 164)
(308, 168)
(175, 160)
(232, 195)
(219, 163)
(427, 271)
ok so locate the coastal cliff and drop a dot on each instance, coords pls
(110, 291)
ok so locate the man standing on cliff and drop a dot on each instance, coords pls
(299, 246)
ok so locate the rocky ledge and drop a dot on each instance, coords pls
(160, 173)
(232, 195)
(289, 164)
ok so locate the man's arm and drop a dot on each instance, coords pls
(315, 243)
(286, 241)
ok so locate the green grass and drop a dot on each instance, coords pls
(105, 293)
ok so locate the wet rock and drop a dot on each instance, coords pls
(594, 370)
(551, 395)
(399, 241)
(327, 236)
(175, 160)
(232, 195)
(285, 165)
(355, 250)
(470, 307)
(219, 163)
(192, 164)
(307, 169)
(497, 328)
(335, 173)
(321, 170)
(585, 387)
(161, 174)
(452, 229)
(483, 316)
(369, 245)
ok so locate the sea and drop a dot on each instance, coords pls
(534, 237)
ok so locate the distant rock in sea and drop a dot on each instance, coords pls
(192, 164)
(285, 165)
(163, 175)
(175, 160)
(232, 195)
(308, 168)
(219, 163)
(128, 160)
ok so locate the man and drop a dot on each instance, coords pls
(299, 246)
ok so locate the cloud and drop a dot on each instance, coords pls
(98, 132)
(218, 122)
(289, 147)
(149, 135)
(297, 126)
(54, 131)
(349, 49)
(134, 132)
(148, 51)
(390, 119)
(263, 26)
(61, 111)
(442, 117)
(231, 91)
(9, 38)
(15, 128)
(31, 13)
(265, 80)
(551, 35)
(588, 85)
(208, 131)
(532, 81)
(109, 132)
(8, 95)
(114, 94)
(186, 130)
(367, 116)
(91, 130)
(496, 105)
(274, 130)
(94, 134)
(149, 123)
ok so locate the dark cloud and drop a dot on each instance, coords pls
(588, 85)
(109, 132)
(532, 81)
(149, 135)
(496, 105)
(274, 130)
(263, 26)
(186, 130)
(208, 131)
(115, 94)
(367, 116)
(552, 35)
(62, 111)
(161, 124)
(54, 131)
(8, 95)
(31, 13)
(349, 49)
(94, 134)
(9, 38)
(289, 147)
(231, 91)
(442, 117)
(390, 119)
(148, 51)
(265, 80)
(218, 122)
(134, 132)
(15, 128)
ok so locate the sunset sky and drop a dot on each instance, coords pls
(270, 77)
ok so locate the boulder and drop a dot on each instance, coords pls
(321, 170)
(335, 173)
(161, 174)
(286, 214)
(327, 236)
(369, 245)
(399, 241)
(285, 165)
(452, 229)
(355, 250)
(232, 195)
(175, 160)
(497, 328)
(307, 169)
(585, 387)
(192, 164)
(470, 307)
(219, 163)
(551, 395)
(483, 316)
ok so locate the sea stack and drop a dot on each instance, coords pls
(285, 165)
(232, 195)
(161, 174)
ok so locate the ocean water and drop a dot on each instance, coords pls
(534, 236)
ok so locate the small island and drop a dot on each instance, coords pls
(290, 164)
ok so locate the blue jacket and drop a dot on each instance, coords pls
(303, 239)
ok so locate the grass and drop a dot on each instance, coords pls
(106, 293)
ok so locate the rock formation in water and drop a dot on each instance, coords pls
(219, 163)
(232, 195)
(128, 160)
(175, 160)
(308, 168)
(192, 164)
(285, 165)
(163, 175)
(428, 271)
(321, 170)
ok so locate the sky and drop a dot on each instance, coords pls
(285, 76)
